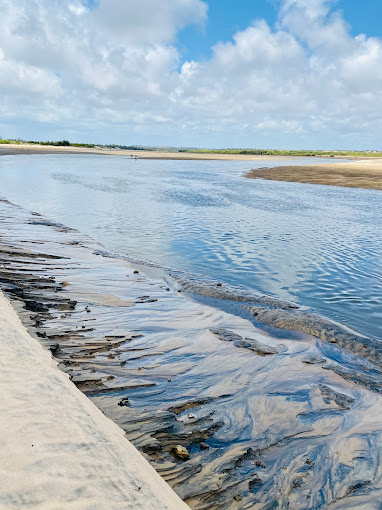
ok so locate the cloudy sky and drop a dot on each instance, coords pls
(213, 73)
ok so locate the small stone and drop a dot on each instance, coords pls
(123, 363)
(237, 497)
(139, 368)
(136, 272)
(204, 446)
(218, 285)
(124, 402)
(181, 452)
(168, 380)
(65, 283)
(54, 348)
(297, 482)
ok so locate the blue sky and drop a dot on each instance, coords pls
(207, 73)
(226, 17)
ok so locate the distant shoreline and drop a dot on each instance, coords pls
(362, 173)
(13, 149)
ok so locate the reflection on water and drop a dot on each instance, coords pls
(319, 246)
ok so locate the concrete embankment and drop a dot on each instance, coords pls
(57, 450)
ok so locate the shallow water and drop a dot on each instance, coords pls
(319, 246)
(269, 422)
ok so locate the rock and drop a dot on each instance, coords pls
(225, 335)
(65, 283)
(237, 497)
(260, 348)
(124, 402)
(313, 359)
(54, 348)
(181, 452)
(204, 446)
(297, 482)
(252, 484)
(136, 272)
(330, 396)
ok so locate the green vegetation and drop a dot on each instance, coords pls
(59, 143)
(280, 152)
(255, 152)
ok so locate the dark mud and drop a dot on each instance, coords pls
(267, 422)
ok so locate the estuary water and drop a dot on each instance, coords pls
(318, 246)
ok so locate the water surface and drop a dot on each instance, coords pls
(319, 246)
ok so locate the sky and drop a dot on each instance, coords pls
(298, 74)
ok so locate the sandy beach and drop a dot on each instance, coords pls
(362, 173)
(10, 149)
(57, 449)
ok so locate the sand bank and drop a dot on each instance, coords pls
(8, 150)
(57, 449)
(362, 173)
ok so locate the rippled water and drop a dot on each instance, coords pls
(320, 246)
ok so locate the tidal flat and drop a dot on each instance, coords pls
(363, 173)
(287, 419)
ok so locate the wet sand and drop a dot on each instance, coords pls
(362, 173)
(287, 420)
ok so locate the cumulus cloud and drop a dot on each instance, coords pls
(113, 67)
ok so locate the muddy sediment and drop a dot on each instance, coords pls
(266, 422)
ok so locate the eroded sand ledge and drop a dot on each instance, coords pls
(362, 173)
(57, 449)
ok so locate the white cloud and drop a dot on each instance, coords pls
(115, 68)
(147, 21)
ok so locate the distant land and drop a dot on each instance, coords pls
(362, 169)
(194, 150)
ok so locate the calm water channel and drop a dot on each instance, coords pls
(319, 246)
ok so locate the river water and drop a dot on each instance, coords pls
(318, 246)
